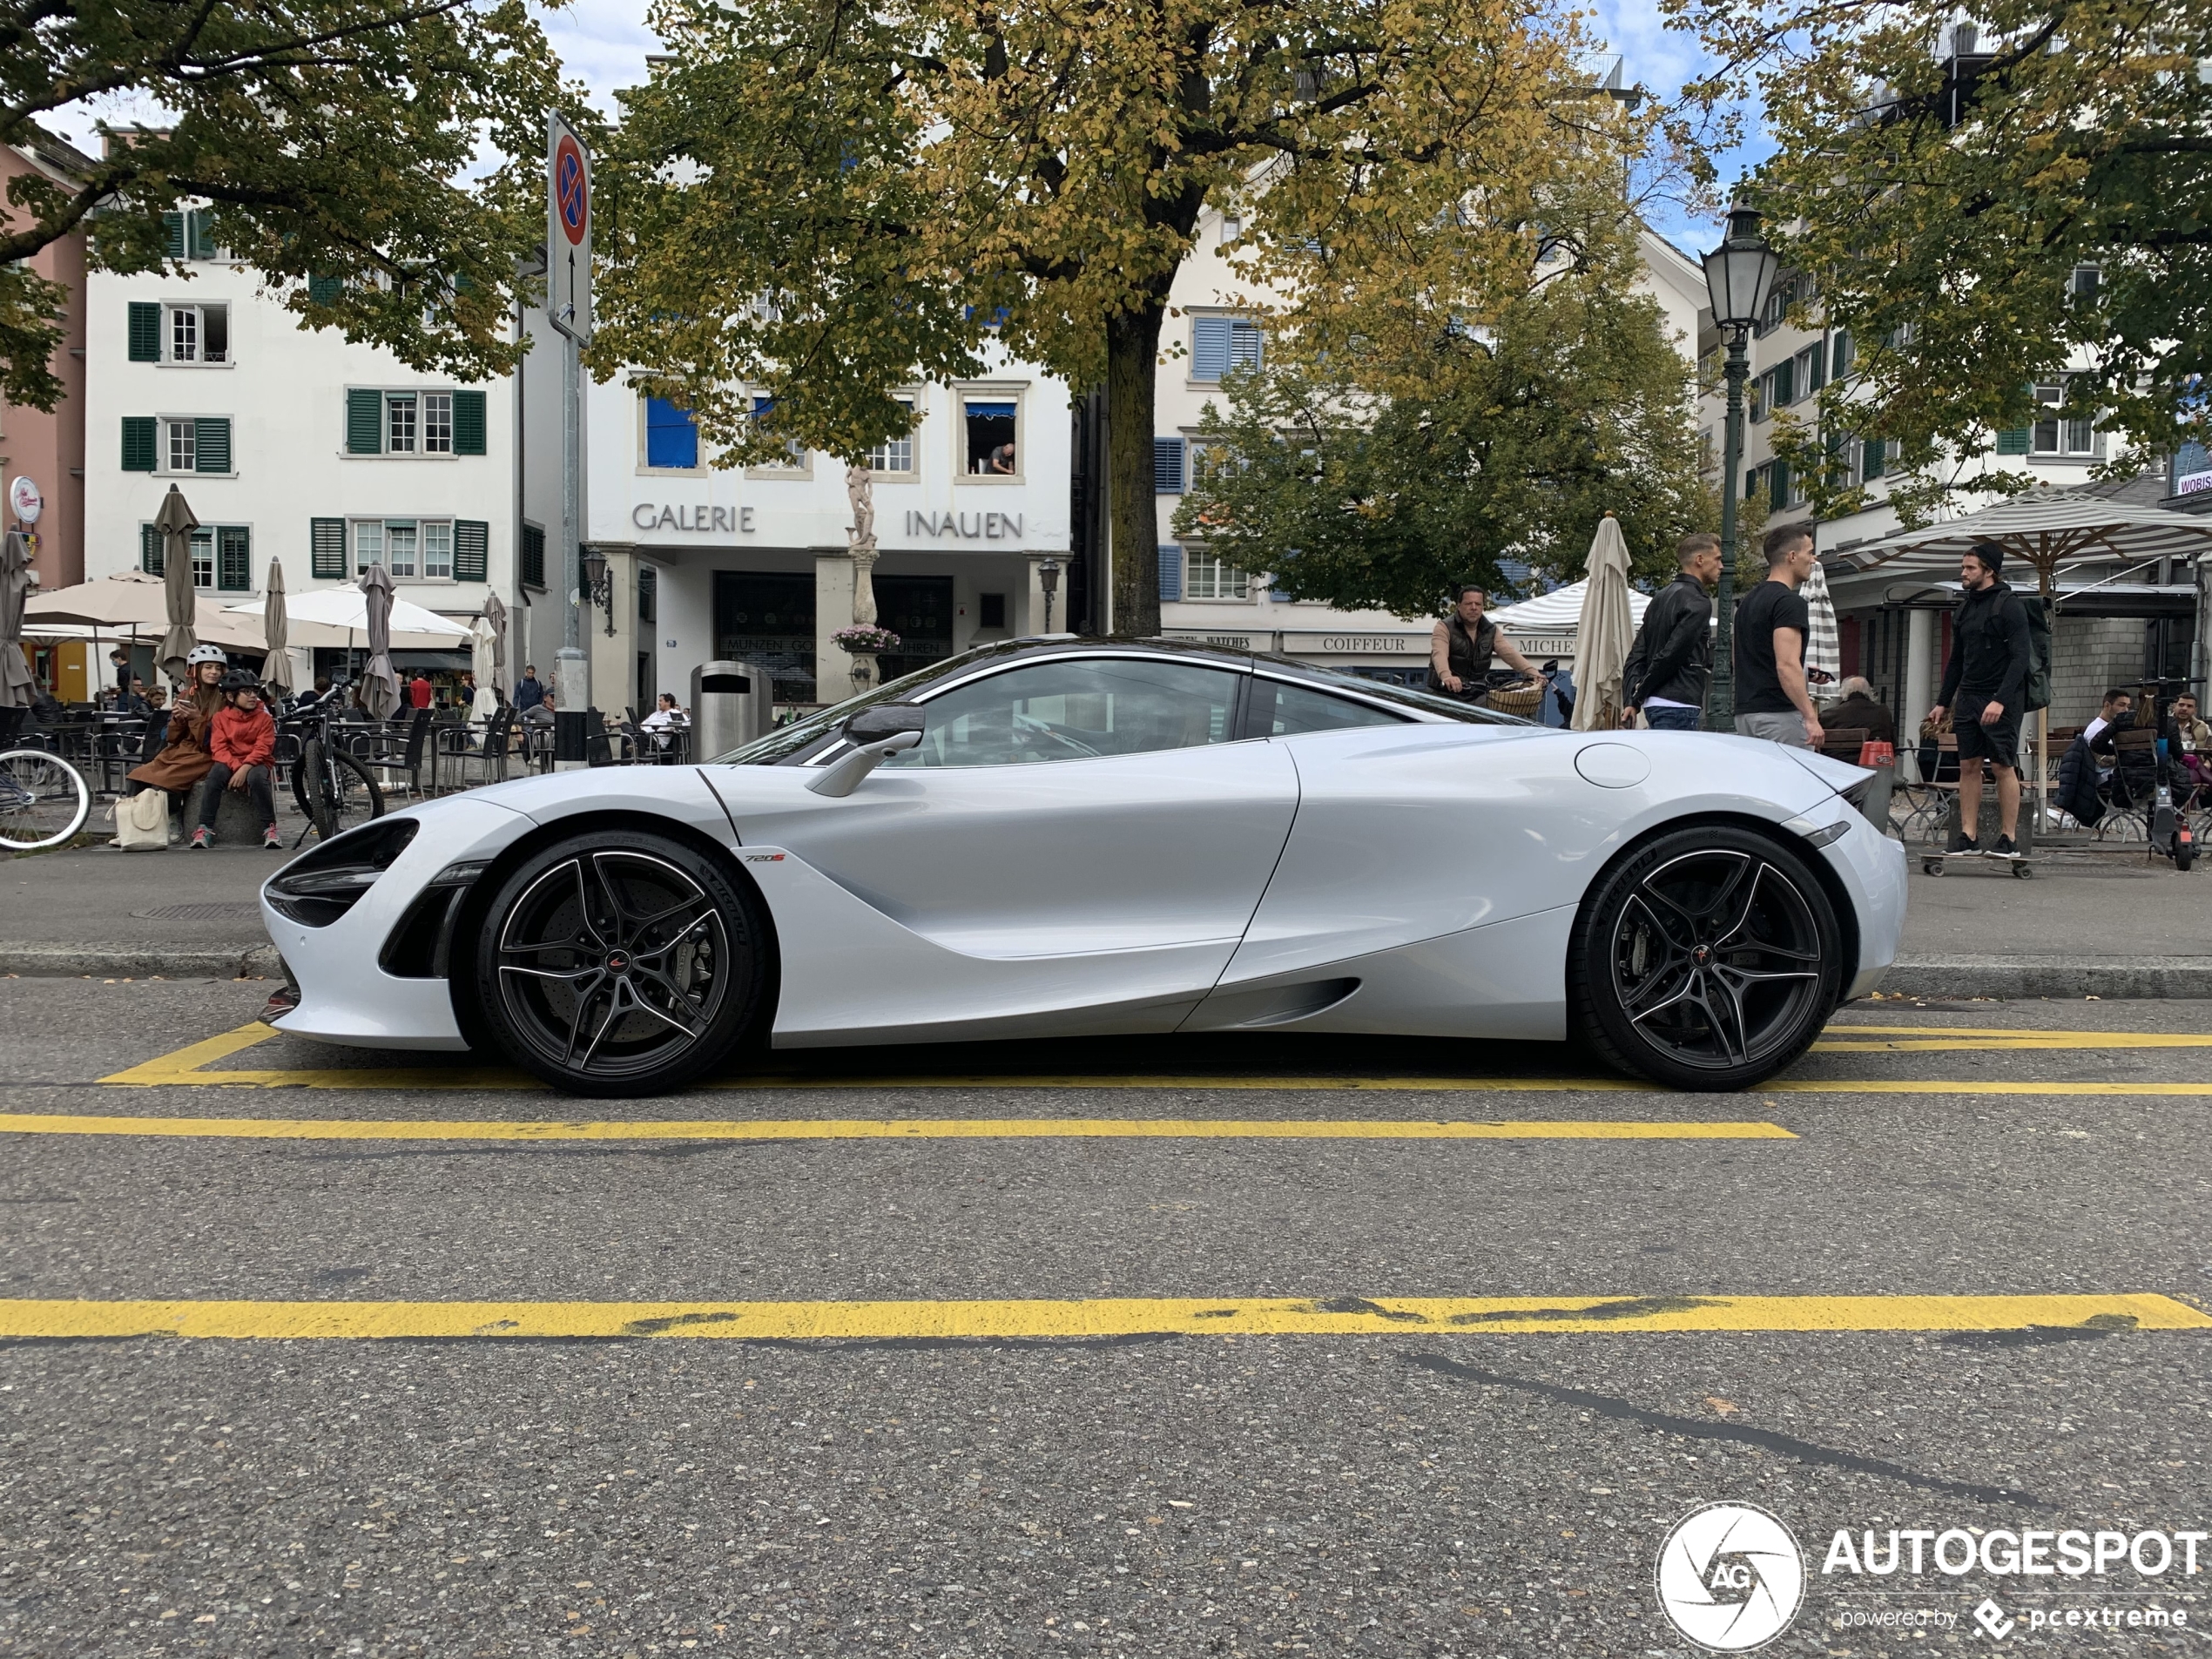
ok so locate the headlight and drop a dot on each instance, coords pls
(318, 889)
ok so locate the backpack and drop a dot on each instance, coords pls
(2038, 695)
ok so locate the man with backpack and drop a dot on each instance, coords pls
(1987, 675)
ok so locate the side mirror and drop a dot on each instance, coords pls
(883, 720)
(876, 734)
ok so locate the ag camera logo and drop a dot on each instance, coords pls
(1731, 1577)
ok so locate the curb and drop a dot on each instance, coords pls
(139, 962)
(2109, 977)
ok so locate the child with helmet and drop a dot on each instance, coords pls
(243, 744)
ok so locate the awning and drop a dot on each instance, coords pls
(2042, 526)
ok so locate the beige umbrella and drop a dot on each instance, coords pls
(16, 684)
(276, 668)
(380, 685)
(176, 524)
(495, 613)
(484, 642)
(1606, 632)
(134, 605)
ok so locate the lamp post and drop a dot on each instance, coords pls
(598, 591)
(1049, 580)
(1738, 275)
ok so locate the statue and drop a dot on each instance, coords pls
(859, 490)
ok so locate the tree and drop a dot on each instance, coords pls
(1985, 207)
(822, 202)
(331, 138)
(1374, 481)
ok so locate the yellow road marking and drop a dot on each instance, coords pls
(1844, 1039)
(1187, 1316)
(855, 1128)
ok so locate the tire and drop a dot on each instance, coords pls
(619, 964)
(1708, 959)
(44, 801)
(334, 790)
(2184, 853)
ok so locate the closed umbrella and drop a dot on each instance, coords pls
(1605, 632)
(484, 642)
(176, 524)
(1823, 642)
(276, 668)
(380, 685)
(15, 682)
(495, 613)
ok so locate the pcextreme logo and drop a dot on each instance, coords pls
(1731, 1577)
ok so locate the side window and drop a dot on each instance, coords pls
(1280, 710)
(1076, 710)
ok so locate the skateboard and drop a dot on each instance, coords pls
(2021, 865)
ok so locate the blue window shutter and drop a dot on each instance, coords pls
(145, 332)
(211, 445)
(1243, 345)
(326, 549)
(1167, 466)
(471, 549)
(1210, 346)
(468, 422)
(1170, 572)
(233, 559)
(364, 422)
(150, 551)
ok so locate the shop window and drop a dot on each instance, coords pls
(990, 431)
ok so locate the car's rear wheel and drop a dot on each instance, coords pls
(619, 964)
(1708, 959)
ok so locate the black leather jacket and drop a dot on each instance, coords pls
(1673, 654)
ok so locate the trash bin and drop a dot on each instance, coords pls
(730, 706)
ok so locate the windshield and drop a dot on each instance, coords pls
(787, 740)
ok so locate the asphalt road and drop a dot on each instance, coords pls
(1401, 1489)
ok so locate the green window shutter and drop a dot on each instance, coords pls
(200, 231)
(325, 290)
(471, 549)
(533, 556)
(137, 443)
(233, 558)
(145, 332)
(326, 549)
(1875, 455)
(1778, 493)
(172, 234)
(364, 422)
(211, 445)
(467, 423)
(2013, 441)
(149, 550)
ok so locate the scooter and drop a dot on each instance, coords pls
(2169, 833)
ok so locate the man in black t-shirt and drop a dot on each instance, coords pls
(1772, 622)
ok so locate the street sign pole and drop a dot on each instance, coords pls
(568, 304)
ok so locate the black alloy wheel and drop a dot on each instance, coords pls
(619, 964)
(1708, 960)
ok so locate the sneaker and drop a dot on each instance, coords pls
(2004, 849)
(202, 838)
(1967, 845)
(272, 839)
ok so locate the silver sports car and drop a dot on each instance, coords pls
(1059, 837)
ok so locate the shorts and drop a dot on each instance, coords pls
(1775, 728)
(1999, 743)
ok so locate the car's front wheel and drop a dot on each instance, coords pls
(1708, 959)
(619, 964)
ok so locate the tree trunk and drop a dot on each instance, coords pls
(1132, 359)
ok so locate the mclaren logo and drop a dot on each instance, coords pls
(1731, 1577)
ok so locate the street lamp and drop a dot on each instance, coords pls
(1048, 579)
(598, 589)
(1738, 273)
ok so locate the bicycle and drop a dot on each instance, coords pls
(333, 789)
(43, 800)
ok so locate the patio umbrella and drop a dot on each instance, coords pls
(345, 611)
(276, 668)
(495, 613)
(1605, 632)
(380, 685)
(176, 524)
(15, 682)
(486, 645)
(1824, 640)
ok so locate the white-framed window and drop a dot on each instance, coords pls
(2056, 434)
(399, 424)
(181, 446)
(437, 423)
(1206, 575)
(198, 334)
(991, 435)
(410, 550)
(795, 452)
(893, 456)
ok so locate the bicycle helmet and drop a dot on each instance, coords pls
(199, 654)
(239, 681)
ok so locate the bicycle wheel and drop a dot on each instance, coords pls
(343, 795)
(43, 801)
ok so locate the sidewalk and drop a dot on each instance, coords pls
(2090, 924)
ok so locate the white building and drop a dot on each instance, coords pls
(752, 564)
(288, 443)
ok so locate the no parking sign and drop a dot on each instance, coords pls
(568, 238)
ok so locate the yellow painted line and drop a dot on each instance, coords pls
(2178, 1039)
(1186, 1316)
(1941, 1086)
(1926, 1042)
(804, 1129)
